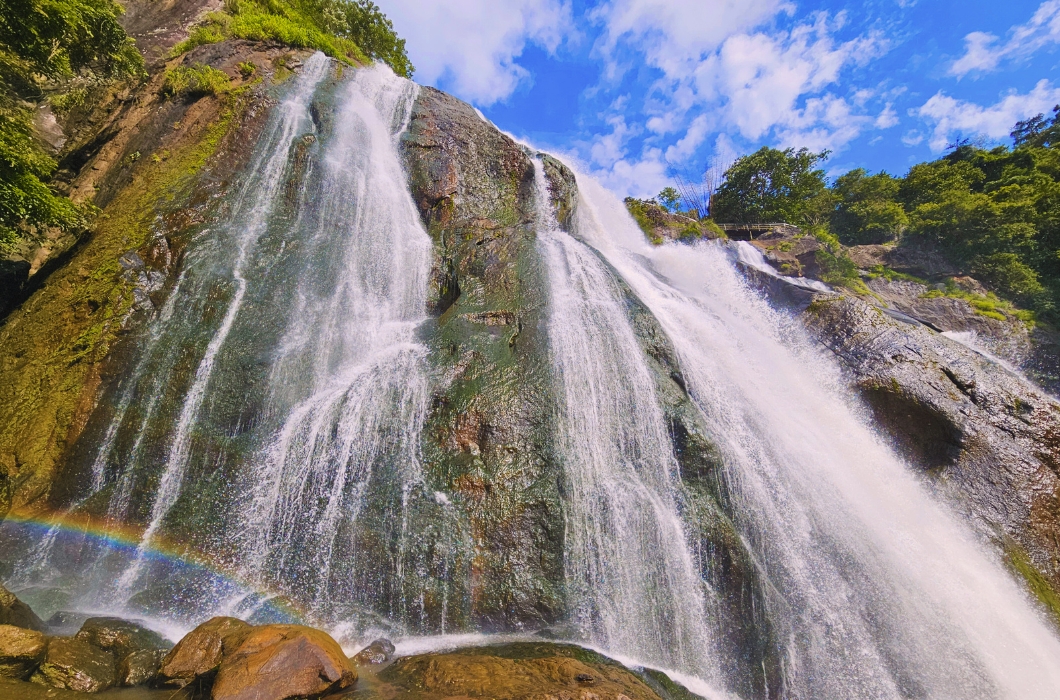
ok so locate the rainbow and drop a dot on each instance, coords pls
(126, 539)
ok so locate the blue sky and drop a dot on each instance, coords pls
(637, 91)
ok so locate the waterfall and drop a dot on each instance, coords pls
(878, 592)
(632, 585)
(282, 387)
(349, 371)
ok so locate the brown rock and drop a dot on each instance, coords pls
(139, 667)
(120, 637)
(520, 671)
(276, 662)
(74, 664)
(378, 652)
(20, 651)
(201, 650)
(14, 612)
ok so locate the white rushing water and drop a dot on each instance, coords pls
(253, 206)
(349, 375)
(631, 581)
(879, 592)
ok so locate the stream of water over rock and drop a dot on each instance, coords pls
(263, 454)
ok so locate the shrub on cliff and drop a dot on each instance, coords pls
(348, 30)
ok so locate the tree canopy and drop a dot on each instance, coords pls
(770, 186)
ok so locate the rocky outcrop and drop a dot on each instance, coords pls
(487, 425)
(153, 182)
(990, 439)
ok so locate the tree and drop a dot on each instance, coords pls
(867, 210)
(770, 186)
(669, 198)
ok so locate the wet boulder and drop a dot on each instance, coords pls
(20, 651)
(74, 664)
(276, 662)
(377, 653)
(139, 667)
(120, 637)
(14, 612)
(201, 650)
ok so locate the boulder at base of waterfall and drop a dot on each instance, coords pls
(14, 612)
(74, 664)
(120, 637)
(201, 650)
(139, 667)
(521, 671)
(20, 651)
(375, 654)
(276, 662)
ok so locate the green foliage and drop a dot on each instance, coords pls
(866, 210)
(771, 186)
(670, 199)
(195, 81)
(246, 69)
(348, 30)
(51, 39)
(43, 42)
(641, 210)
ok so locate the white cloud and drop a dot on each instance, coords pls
(984, 52)
(887, 118)
(674, 35)
(956, 117)
(641, 177)
(694, 137)
(474, 44)
(760, 79)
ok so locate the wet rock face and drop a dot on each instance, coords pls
(200, 651)
(275, 662)
(486, 430)
(20, 651)
(76, 665)
(992, 438)
(139, 667)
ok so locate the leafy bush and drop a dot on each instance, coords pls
(195, 81)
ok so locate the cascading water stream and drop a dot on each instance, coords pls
(349, 366)
(879, 592)
(253, 208)
(631, 581)
(280, 393)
